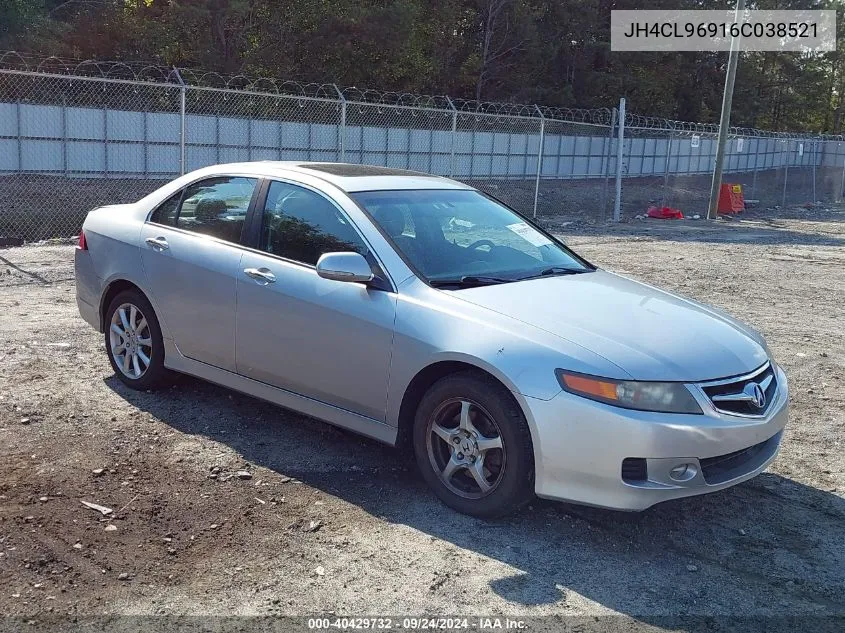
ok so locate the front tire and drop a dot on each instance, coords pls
(473, 446)
(134, 343)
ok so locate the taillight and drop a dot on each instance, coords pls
(82, 243)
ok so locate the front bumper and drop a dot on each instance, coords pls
(580, 445)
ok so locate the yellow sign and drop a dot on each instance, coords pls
(736, 188)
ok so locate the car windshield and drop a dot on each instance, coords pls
(461, 237)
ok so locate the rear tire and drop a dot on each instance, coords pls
(134, 343)
(473, 446)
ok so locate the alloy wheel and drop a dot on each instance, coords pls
(130, 341)
(465, 448)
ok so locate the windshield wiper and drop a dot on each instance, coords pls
(470, 280)
(555, 270)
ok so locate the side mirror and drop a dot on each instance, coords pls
(344, 267)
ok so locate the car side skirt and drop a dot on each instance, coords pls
(301, 404)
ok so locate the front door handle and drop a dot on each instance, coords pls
(260, 274)
(158, 242)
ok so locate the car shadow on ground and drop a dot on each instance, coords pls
(771, 545)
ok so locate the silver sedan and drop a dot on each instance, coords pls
(421, 312)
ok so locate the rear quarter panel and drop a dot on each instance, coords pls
(112, 234)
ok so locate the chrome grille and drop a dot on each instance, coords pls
(750, 395)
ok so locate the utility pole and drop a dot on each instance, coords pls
(182, 117)
(725, 119)
(620, 155)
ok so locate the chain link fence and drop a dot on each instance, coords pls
(66, 147)
(74, 136)
(670, 163)
(497, 149)
(578, 163)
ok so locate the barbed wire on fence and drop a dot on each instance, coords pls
(368, 96)
(596, 116)
(688, 128)
(157, 72)
(494, 108)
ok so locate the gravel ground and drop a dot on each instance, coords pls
(325, 521)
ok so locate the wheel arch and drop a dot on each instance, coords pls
(114, 288)
(424, 379)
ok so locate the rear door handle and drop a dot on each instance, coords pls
(260, 274)
(158, 242)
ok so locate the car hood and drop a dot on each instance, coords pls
(648, 333)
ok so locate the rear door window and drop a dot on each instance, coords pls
(217, 206)
(167, 211)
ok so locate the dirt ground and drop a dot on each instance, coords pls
(331, 523)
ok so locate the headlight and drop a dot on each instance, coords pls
(664, 397)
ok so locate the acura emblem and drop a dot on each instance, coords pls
(755, 394)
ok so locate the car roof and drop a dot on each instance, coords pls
(349, 177)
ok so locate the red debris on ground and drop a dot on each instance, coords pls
(665, 213)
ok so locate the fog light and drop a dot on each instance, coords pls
(683, 472)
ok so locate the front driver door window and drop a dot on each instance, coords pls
(301, 225)
(327, 340)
